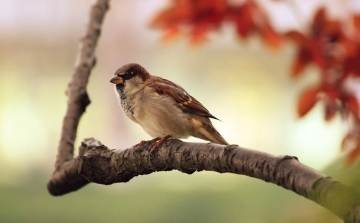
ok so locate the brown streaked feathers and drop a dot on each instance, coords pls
(181, 97)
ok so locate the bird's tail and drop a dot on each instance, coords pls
(208, 132)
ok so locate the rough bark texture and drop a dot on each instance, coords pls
(100, 165)
(65, 176)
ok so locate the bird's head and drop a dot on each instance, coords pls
(130, 76)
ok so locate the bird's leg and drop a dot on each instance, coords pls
(158, 143)
(144, 141)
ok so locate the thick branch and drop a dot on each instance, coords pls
(100, 165)
(78, 100)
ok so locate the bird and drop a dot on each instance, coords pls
(162, 108)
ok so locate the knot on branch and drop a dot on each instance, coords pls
(91, 143)
(94, 159)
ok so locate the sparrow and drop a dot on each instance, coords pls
(161, 107)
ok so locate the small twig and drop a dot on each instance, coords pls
(78, 100)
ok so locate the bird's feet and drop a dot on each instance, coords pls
(144, 141)
(158, 142)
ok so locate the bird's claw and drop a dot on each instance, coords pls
(139, 144)
(144, 141)
(158, 142)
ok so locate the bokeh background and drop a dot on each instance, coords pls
(243, 83)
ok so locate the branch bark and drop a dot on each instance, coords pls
(64, 176)
(101, 165)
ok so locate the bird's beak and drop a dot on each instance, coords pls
(117, 80)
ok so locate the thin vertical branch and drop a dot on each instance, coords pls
(78, 100)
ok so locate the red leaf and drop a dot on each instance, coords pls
(332, 28)
(303, 58)
(170, 34)
(307, 100)
(330, 110)
(332, 94)
(352, 65)
(353, 104)
(356, 20)
(270, 37)
(350, 47)
(217, 6)
(331, 107)
(319, 20)
(317, 53)
(243, 20)
(243, 17)
(199, 34)
(180, 11)
(297, 37)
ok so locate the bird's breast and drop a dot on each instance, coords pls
(126, 103)
(127, 106)
(159, 116)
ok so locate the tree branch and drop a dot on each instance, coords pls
(100, 165)
(78, 100)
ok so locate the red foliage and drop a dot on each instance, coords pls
(197, 18)
(326, 45)
(337, 55)
(307, 100)
(353, 105)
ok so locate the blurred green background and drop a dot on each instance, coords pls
(243, 83)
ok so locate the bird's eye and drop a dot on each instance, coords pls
(127, 76)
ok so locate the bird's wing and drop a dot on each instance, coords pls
(185, 101)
